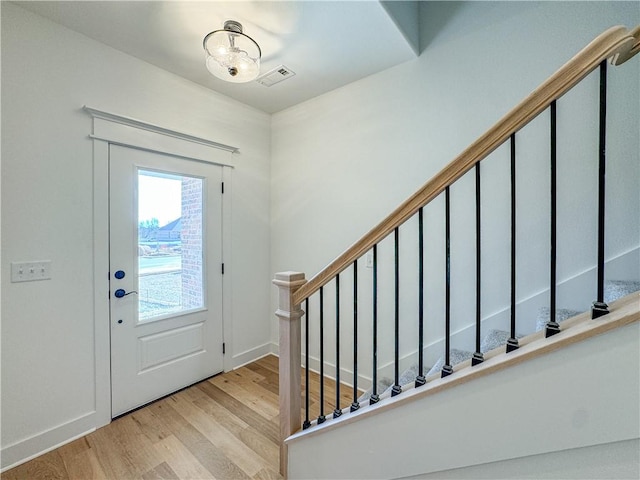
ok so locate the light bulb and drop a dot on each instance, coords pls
(231, 55)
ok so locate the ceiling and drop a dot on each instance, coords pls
(327, 44)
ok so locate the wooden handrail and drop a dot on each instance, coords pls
(617, 44)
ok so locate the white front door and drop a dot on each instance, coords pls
(165, 274)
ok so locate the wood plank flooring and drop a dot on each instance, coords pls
(225, 427)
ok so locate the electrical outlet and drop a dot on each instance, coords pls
(30, 271)
(368, 260)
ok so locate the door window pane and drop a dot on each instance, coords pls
(170, 254)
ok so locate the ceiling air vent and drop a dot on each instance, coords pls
(277, 75)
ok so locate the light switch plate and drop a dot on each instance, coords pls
(30, 271)
(368, 260)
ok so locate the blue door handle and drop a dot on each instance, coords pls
(119, 293)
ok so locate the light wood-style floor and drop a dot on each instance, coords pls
(225, 427)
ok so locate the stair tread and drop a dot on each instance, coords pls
(494, 339)
(562, 314)
(455, 356)
(615, 289)
(407, 377)
(383, 384)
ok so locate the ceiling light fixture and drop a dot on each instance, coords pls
(231, 55)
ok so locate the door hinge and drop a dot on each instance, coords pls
(222, 187)
(224, 348)
(223, 269)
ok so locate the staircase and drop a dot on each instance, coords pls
(411, 417)
(614, 290)
(573, 395)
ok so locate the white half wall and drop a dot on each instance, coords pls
(615, 460)
(585, 394)
(48, 339)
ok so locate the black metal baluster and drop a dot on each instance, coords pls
(599, 307)
(396, 389)
(447, 369)
(337, 411)
(478, 357)
(375, 398)
(321, 417)
(552, 326)
(512, 342)
(420, 380)
(355, 405)
(306, 424)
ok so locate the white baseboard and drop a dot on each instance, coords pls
(36, 445)
(253, 354)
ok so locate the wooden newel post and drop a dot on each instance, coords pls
(290, 358)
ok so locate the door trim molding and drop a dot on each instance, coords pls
(227, 312)
(142, 125)
(115, 129)
(102, 326)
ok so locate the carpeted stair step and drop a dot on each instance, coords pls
(613, 290)
(495, 339)
(383, 384)
(407, 377)
(561, 315)
(455, 357)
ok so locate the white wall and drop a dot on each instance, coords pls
(49, 73)
(372, 143)
(585, 394)
(611, 460)
(344, 160)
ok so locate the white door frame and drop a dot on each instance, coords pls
(109, 128)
